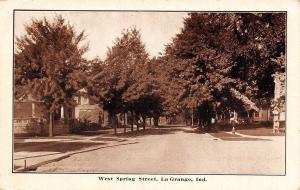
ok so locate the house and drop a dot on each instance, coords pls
(87, 110)
(31, 118)
(267, 114)
(27, 113)
(262, 115)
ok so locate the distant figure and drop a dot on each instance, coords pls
(233, 120)
(233, 130)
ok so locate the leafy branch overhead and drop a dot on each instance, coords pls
(227, 55)
(117, 83)
(48, 61)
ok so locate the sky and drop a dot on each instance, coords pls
(102, 28)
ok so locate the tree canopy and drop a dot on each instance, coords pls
(119, 72)
(48, 61)
(222, 56)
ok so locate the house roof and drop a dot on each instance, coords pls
(27, 98)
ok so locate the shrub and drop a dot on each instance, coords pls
(77, 126)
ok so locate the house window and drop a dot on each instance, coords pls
(84, 100)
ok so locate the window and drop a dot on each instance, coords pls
(84, 100)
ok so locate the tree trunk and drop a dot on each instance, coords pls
(132, 120)
(112, 122)
(155, 121)
(138, 124)
(125, 123)
(144, 123)
(100, 119)
(66, 118)
(116, 125)
(51, 124)
(103, 118)
(192, 117)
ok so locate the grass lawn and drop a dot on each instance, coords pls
(52, 146)
(261, 131)
(254, 129)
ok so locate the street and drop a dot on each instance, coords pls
(181, 150)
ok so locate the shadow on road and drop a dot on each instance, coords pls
(65, 146)
(153, 131)
(108, 139)
(52, 146)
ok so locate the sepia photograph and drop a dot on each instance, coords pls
(149, 92)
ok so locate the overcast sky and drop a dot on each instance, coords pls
(102, 28)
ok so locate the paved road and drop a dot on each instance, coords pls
(179, 151)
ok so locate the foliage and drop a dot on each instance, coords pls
(144, 94)
(77, 126)
(48, 62)
(219, 57)
(119, 71)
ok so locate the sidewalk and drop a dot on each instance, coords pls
(30, 153)
(260, 137)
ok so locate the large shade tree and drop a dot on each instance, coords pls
(219, 57)
(119, 72)
(144, 95)
(48, 62)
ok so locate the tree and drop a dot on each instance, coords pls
(224, 56)
(118, 73)
(181, 92)
(48, 62)
(144, 94)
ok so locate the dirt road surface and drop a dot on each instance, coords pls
(181, 151)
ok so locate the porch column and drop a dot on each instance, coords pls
(33, 109)
(62, 112)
